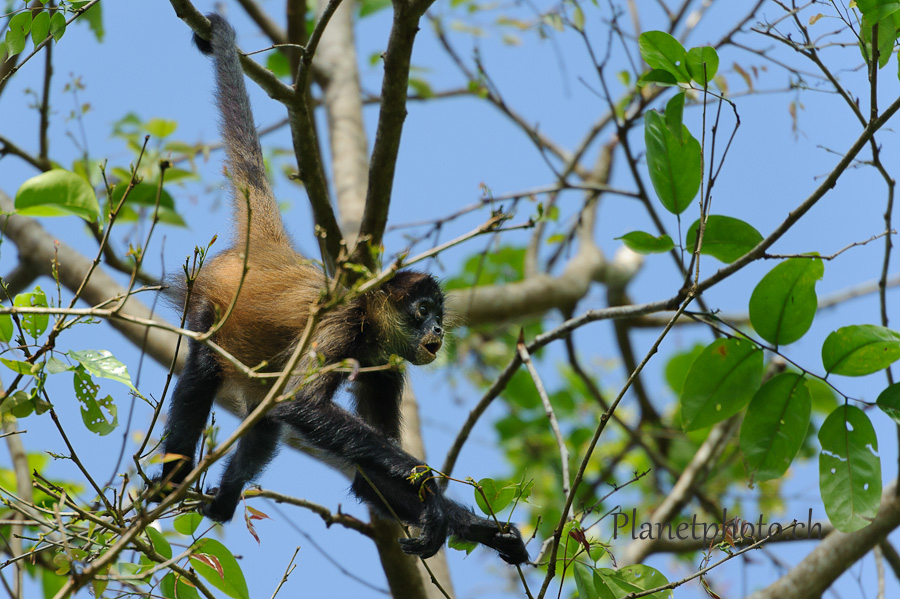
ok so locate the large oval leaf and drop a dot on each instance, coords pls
(861, 349)
(674, 160)
(57, 193)
(775, 426)
(214, 562)
(783, 304)
(721, 381)
(702, 64)
(849, 469)
(724, 238)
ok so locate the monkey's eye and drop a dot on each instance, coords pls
(422, 312)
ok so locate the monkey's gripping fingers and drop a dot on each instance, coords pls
(434, 528)
(507, 542)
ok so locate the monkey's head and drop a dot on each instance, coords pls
(419, 304)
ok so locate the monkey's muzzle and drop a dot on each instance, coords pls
(428, 349)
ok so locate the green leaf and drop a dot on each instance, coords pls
(55, 365)
(19, 404)
(876, 10)
(33, 324)
(657, 76)
(57, 25)
(462, 544)
(858, 350)
(22, 367)
(159, 542)
(675, 165)
(849, 469)
(645, 243)
(635, 579)
(173, 587)
(724, 238)
(94, 19)
(603, 587)
(102, 363)
(721, 381)
(370, 7)
(775, 426)
(889, 402)
(577, 17)
(16, 37)
(421, 87)
(584, 580)
(214, 562)
(94, 411)
(40, 27)
(143, 196)
(662, 51)
(161, 128)
(187, 524)
(702, 64)
(497, 497)
(784, 303)
(6, 328)
(58, 192)
(278, 63)
(678, 366)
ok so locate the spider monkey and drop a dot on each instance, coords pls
(403, 317)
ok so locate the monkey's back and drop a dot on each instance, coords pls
(272, 308)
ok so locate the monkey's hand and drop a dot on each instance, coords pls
(221, 508)
(507, 542)
(434, 526)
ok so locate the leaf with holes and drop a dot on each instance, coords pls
(784, 303)
(849, 469)
(103, 364)
(99, 415)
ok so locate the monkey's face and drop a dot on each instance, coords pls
(425, 318)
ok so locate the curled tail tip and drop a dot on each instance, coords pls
(219, 30)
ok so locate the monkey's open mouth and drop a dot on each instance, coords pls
(432, 348)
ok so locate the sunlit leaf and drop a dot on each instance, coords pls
(58, 193)
(858, 350)
(783, 304)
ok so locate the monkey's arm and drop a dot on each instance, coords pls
(399, 478)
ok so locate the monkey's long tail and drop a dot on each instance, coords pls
(245, 159)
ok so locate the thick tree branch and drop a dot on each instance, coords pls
(835, 554)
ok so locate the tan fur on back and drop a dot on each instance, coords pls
(273, 306)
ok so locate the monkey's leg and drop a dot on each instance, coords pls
(254, 452)
(189, 409)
